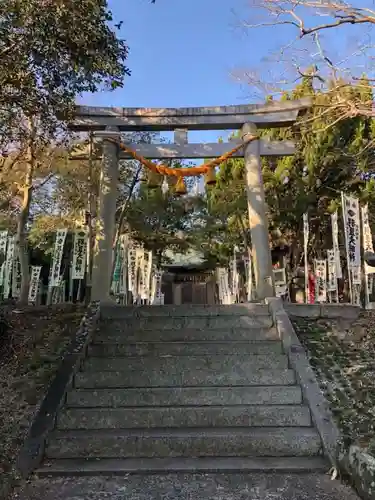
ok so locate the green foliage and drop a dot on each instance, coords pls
(50, 53)
(159, 221)
(332, 155)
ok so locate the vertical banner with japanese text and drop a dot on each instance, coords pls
(34, 283)
(332, 271)
(79, 255)
(335, 241)
(3, 253)
(132, 270)
(352, 227)
(54, 279)
(8, 266)
(320, 267)
(305, 249)
(368, 247)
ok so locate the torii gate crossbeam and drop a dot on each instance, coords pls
(108, 123)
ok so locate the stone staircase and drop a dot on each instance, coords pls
(184, 389)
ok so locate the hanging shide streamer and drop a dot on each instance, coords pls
(54, 279)
(305, 248)
(320, 267)
(79, 255)
(34, 283)
(335, 240)
(8, 267)
(332, 271)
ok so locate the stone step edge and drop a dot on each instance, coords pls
(266, 342)
(88, 467)
(156, 408)
(186, 432)
(259, 360)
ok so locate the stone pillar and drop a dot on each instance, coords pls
(257, 216)
(105, 226)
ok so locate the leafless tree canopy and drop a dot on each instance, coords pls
(331, 41)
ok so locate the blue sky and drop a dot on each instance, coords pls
(184, 53)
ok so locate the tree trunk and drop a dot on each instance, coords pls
(122, 218)
(21, 235)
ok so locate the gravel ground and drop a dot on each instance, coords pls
(343, 357)
(29, 357)
(255, 486)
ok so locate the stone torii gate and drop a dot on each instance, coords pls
(107, 124)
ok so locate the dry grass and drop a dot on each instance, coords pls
(29, 359)
(343, 357)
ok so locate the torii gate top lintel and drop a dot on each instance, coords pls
(272, 114)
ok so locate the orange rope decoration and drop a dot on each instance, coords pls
(183, 172)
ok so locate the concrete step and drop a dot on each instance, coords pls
(185, 348)
(179, 378)
(82, 467)
(185, 416)
(117, 333)
(116, 311)
(196, 322)
(207, 442)
(186, 396)
(235, 364)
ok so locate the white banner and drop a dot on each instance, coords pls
(16, 274)
(305, 250)
(235, 278)
(132, 270)
(3, 251)
(352, 230)
(320, 267)
(79, 255)
(8, 266)
(54, 279)
(367, 236)
(3, 242)
(225, 295)
(332, 271)
(123, 249)
(249, 278)
(34, 283)
(139, 260)
(156, 296)
(2, 272)
(147, 268)
(335, 241)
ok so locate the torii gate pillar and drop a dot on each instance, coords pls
(105, 226)
(256, 203)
